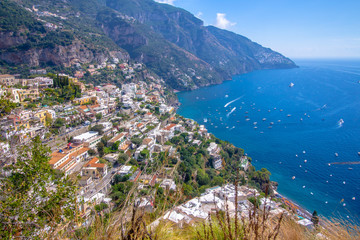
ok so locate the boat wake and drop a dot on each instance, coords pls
(232, 110)
(233, 101)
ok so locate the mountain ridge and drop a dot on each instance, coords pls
(172, 42)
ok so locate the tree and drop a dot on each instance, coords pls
(115, 146)
(315, 218)
(122, 158)
(28, 204)
(98, 116)
(98, 128)
(6, 106)
(100, 148)
(202, 178)
(136, 141)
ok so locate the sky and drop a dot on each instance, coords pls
(295, 28)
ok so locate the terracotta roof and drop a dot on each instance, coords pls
(94, 160)
(83, 107)
(117, 137)
(149, 113)
(125, 146)
(56, 156)
(94, 163)
(95, 106)
(170, 126)
(139, 125)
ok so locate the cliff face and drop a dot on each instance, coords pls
(58, 55)
(170, 41)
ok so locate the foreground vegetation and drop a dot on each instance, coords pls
(55, 214)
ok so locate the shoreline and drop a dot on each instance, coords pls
(300, 211)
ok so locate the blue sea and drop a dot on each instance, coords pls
(295, 132)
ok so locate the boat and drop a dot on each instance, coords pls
(255, 127)
(340, 122)
(336, 154)
(291, 84)
(289, 115)
(305, 161)
(301, 119)
(293, 178)
(226, 96)
(248, 119)
(281, 110)
(255, 123)
(350, 168)
(359, 153)
(264, 119)
(205, 120)
(271, 123)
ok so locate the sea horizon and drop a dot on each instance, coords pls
(310, 123)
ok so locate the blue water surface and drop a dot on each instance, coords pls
(295, 132)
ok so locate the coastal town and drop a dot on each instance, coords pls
(112, 139)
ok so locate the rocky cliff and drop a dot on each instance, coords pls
(170, 41)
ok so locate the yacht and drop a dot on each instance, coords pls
(291, 84)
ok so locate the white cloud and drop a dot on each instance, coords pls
(199, 15)
(222, 22)
(171, 2)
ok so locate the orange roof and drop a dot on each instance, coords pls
(139, 125)
(83, 107)
(94, 163)
(149, 113)
(98, 165)
(66, 162)
(94, 160)
(125, 146)
(117, 137)
(170, 126)
(56, 156)
(95, 106)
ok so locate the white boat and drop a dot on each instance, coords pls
(205, 120)
(336, 154)
(289, 115)
(264, 119)
(340, 122)
(291, 84)
(271, 123)
(293, 178)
